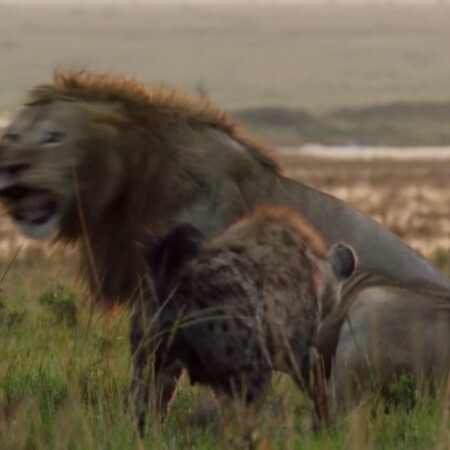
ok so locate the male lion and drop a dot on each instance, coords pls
(245, 303)
(95, 159)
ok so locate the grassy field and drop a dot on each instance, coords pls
(295, 74)
(65, 370)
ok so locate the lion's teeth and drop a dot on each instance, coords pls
(35, 208)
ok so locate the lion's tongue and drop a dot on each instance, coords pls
(36, 207)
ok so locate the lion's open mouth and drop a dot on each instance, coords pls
(30, 205)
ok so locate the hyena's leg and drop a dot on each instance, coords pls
(319, 389)
(308, 373)
(244, 393)
(255, 386)
(239, 408)
(153, 371)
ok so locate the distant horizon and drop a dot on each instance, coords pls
(223, 2)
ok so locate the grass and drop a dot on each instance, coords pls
(65, 369)
(64, 385)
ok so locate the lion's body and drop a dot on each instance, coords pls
(401, 335)
(128, 158)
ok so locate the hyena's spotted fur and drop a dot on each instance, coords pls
(246, 303)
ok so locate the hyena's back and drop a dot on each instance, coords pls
(250, 299)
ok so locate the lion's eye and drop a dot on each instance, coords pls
(51, 137)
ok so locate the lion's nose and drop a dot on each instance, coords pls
(14, 169)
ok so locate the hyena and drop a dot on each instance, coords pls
(237, 307)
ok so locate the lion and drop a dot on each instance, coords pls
(96, 159)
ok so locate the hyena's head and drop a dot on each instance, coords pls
(167, 257)
(340, 264)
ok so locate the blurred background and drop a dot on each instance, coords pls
(329, 71)
(355, 94)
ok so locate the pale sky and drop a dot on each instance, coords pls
(178, 2)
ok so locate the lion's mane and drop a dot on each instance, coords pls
(148, 123)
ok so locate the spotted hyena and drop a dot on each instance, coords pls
(237, 307)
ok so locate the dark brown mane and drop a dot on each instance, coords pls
(138, 100)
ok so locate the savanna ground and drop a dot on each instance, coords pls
(65, 369)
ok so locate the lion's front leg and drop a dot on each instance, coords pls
(155, 373)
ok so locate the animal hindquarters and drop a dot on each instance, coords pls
(391, 334)
(226, 352)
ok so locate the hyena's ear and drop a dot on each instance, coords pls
(343, 260)
(168, 255)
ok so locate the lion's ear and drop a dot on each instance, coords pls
(167, 256)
